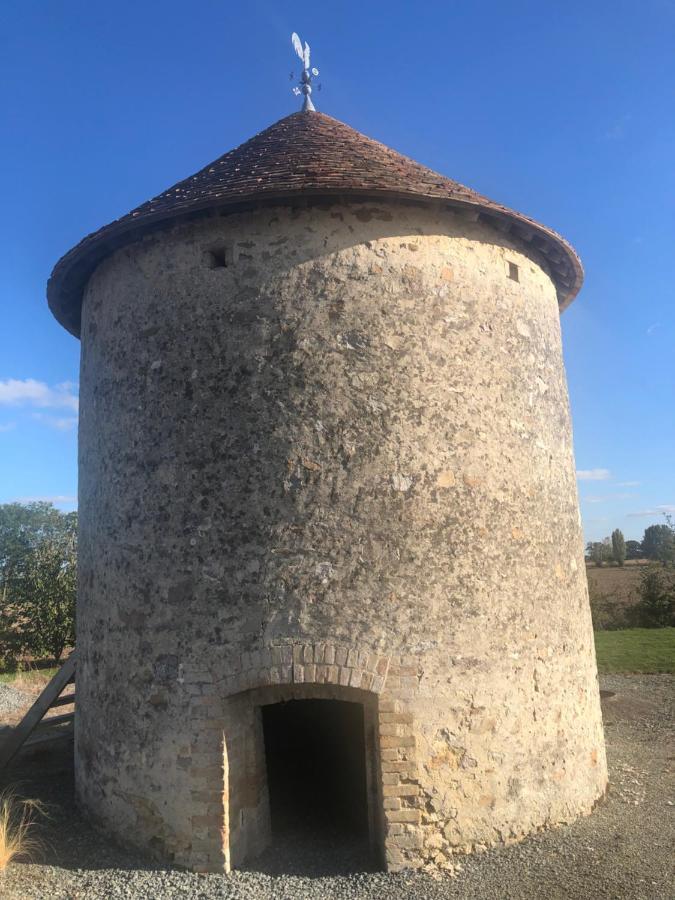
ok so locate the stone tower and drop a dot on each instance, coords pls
(330, 553)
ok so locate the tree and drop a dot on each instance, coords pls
(599, 551)
(22, 526)
(656, 607)
(47, 596)
(38, 561)
(658, 543)
(618, 547)
(633, 550)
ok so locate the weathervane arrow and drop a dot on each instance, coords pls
(305, 87)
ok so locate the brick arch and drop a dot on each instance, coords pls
(302, 668)
(319, 662)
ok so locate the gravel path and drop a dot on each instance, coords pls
(624, 850)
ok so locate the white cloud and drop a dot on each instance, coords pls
(7, 426)
(30, 392)
(61, 423)
(593, 474)
(656, 511)
(627, 483)
(56, 499)
(652, 328)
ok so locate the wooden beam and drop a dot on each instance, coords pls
(57, 720)
(66, 700)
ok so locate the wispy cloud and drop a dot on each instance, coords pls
(56, 499)
(606, 498)
(7, 426)
(652, 328)
(30, 392)
(628, 483)
(61, 423)
(656, 511)
(593, 474)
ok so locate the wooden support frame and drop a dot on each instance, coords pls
(19, 735)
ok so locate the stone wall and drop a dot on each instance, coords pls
(331, 445)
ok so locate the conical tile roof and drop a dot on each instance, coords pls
(308, 154)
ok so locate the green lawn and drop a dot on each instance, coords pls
(636, 650)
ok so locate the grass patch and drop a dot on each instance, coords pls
(640, 650)
(28, 677)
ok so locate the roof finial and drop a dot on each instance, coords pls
(307, 74)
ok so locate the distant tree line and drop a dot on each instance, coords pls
(657, 545)
(38, 575)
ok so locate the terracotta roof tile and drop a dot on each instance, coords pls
(308, 154)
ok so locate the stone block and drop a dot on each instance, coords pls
(355, 678)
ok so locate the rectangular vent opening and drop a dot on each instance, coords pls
(219, 257)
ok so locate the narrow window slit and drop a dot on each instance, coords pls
(513, 272)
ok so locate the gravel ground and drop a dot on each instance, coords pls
(12, 700)
(624, 850)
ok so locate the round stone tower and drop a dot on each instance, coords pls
(331, 561)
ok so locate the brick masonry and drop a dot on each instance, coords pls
(352, 477)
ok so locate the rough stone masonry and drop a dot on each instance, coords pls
(325, 452)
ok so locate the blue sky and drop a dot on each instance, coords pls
(564, 111)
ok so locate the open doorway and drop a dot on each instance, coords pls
(303, 795)
(315, 755)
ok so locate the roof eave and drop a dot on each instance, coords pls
(71, 273)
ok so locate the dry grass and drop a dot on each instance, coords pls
(30, 679)
(17, 822)
(31, 683)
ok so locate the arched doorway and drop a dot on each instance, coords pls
(301, 769)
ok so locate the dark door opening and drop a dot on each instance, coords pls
(316, 768)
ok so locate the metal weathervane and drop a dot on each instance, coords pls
(307, 74)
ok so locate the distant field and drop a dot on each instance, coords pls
(619, 583)
(646, 650)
